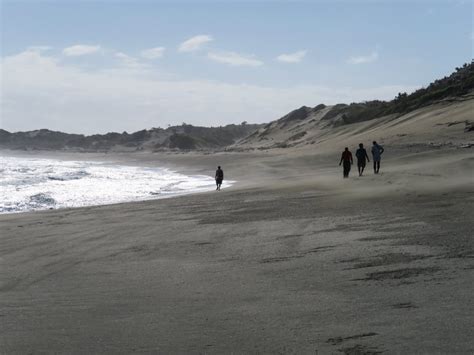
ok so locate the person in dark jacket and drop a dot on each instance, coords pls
(377, 151)
(346, 157)
(219, 178)
(362, 157)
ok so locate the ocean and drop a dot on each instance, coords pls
(30, 184)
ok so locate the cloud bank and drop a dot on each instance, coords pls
(41, 91)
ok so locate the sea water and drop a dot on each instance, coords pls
(29, 184)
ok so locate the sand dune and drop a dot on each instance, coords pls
(443, 123)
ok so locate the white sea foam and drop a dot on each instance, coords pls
(28, 184)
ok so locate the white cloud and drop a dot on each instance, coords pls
(40, 91)
(234, 59)
(194, 43)
(372, 57)
(130, 62)
(292, 57)
(153, 53)
(80, 49)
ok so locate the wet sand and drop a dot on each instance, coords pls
(292, 259)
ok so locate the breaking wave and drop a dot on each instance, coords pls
(29, 184)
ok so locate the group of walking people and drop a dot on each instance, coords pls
(362, 159)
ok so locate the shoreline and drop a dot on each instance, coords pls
(109, 162)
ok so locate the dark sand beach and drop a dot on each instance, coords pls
(291, 259)
(115, 115)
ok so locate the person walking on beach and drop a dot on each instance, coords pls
(219, 178)
(361, 155)
(377, 151)
(346, 157)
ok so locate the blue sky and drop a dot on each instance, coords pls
(86, 66)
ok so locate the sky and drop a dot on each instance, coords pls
(101, 66)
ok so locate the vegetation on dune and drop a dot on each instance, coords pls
(454, 86)
(458, 84)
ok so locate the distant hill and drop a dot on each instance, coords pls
(184, 137)
(307, 125)
(302, 126)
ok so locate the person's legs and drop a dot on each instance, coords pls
(378, 166)
(375, 167)
(347, 168)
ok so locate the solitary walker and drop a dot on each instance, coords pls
(219, 178)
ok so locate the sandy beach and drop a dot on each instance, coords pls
(116, 116)
(291, 259)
